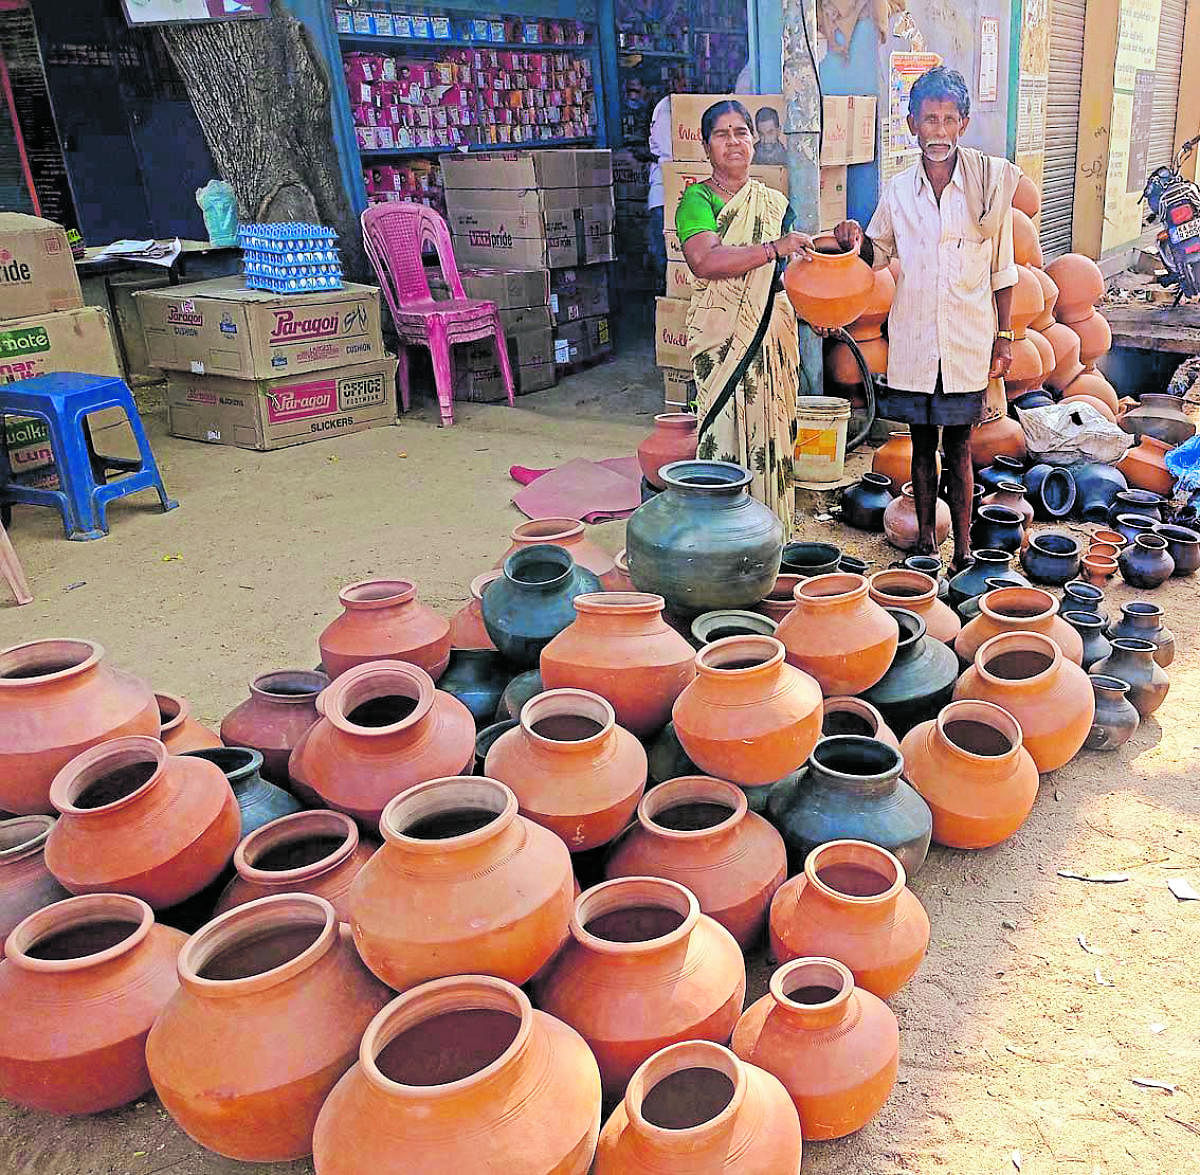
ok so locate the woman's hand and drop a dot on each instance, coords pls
(799, 245)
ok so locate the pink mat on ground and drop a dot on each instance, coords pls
(592, 491)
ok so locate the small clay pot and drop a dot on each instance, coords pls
(487, 737)
(1098, 569)
(1183, 545)
(673, 438)
(518, 691)
(931, 565)
(622, 582)
(1159, 415)
(900, 520)
(1143, 620)
(1052, 558)
(781, 599)
(1116, 719)
(1091, 631)
(1013, 495)
(863, 504)
(476, 677)
(1084, 597)
(1132, 661)
(997, 528)
(178, 730)
(1080, 285)
(809, 559)
(893, 459)
(832, 288)
(985, 564)
(467, 630)
(1002, 436)
(1144, 467)
(1147, 563)
(1136, 501)
(570, 534)
(1002, 468)
(282, 705)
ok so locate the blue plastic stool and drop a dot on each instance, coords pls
(63, 401)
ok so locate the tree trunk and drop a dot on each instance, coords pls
(262, 94)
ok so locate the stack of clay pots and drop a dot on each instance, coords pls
(842, 374)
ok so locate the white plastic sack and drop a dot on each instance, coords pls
(1070, 433)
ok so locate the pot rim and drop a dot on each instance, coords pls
(684, 421)
(545, 552)
(1133, 644)
(991, 555)
(1150, 542)
(907, 618)
(731, 617)
(730, 476)
(505, 724)
(1081, 589)
(358, 684)
(785, 583)
(1107, 681)
(72, 912)
(88, 654)
(675, 1058)
(1105, 563)
(100, 759)
(829, 552)
(34, 828)
(1038, 542)
(569, 700)
(369, 594)
(1141, 497)
(621, 561)
(1077, 619)
(482, 581)
(880, 481)
(988, 714)
(1142, 608)
(447, 793)
(808, 970)
(1002, 515)
(314, 681)
(900, 576)
(619, 603)
(987, 605)
(622, 893)
(1008, 486)
(1136, 522)
(1020, 641)
(848, 704)
(857, 852)
(252, 764)
(182, 711)
(838, 587)
(1174, 533)
(553, 530)
(673, 792)
(844, 740)
(710, 659)
(293, 827)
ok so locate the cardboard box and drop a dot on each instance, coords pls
(70, 340)
(287, 410)
(833, 196)
(503, 249)
(508, 288)
(688, 109)
(631, 177)
(679, 280)
(674, 248)
(679, 388)
(597, 249)
(670, 333)
(581, 292)
(495, 170)
(128, 321)
(530, 344)
(598, 336)
(570, 343)
(37, 271)
(861, 145)
(835, 130)
(679, 176)
(530, 212)
(219, 327)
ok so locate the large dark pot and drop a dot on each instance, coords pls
(931, 565)
(810, 559)
(1135, 501)
(1146, 563)
(921, 678)
(531, 603)
(1183, 545)
(1051, 491)
(1132, 661)
(704, 543)
(1116, 719)
(487, 736)
(518, 691)
(852, 790)
(1051, 558)
(1143, 620)
(1129, 526)
(1096, 487)
(476, 677)
(986, 564)
(1002, 468)
(997, 528)
(1079, 596)
(259, 802)
(863, 504)
(1091, 630)
(1158, 415)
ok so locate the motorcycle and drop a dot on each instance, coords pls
(1175, 201)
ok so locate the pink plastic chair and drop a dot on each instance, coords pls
(394, 233)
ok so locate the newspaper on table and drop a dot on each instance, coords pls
(161, 253)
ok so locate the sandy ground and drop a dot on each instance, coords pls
(1019, 1043)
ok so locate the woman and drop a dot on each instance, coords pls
(742, 338)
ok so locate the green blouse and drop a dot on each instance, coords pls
(697, 211)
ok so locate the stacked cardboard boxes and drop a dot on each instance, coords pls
(261, 370)
(631, 187)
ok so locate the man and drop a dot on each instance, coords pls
(948, 219)
(770, 148)
(660, 148)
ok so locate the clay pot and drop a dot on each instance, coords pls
(57, 698)
(317, 853)
(699, 832)
(178, 730)
(518, 691)
(112, 795)
(842, 367)
(900, 520)
(1146, 563)
(831, 289)
(930, 565)
(1025, 373)
(644, 969)
(26, 884)
(1144, 467)
(1183, 545)
(1095, 337)
(971, 768)
(852, 788)
(1027, 197)
(1098, 569)
(476, 677)
(1132, 661)
(1028, 300)
(1011, 495)
(81, 983)
(1129, 526)
(695, 1108)
(985, 565)
(462, 884)
(838, 635)
(1116, 719)
(1002, 468)
(573, 769)
(835, 1046)
(997, 528)
(1051, 557)
(1091, 631)
(1103, 538)
(259, 802)
(620, 647)
(810, 559)
(1051, 491)
(1050, 296)
(272, 1003)
(384, 728)
(1160, 416)
(1001, 436)
(1083, 597)
(487, 737)
(282, 705)
(863, 504)
(1036, 398)
(665, 758)
(467, 630)
(462, 1074)
(900, 588)
(1096, 488)
(382, 621)
(1026, 674)
(879, 304)
(1142, 620)
(623, 582)
(1027, 249)
(569, 534)
(748, 717)
(851, 903)
(854, 716)
(715, 626)
(1080, 285)
(704, 543)
(673, 439)
(1064, 342)
(1091, 401)
(893, 459)
(782, 597)
(1093, 384)
(919, 680)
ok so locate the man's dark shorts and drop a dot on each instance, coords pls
(940, 408)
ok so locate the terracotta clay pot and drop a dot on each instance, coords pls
(382, 621)
(282, 705)
(317, 853)
(900, 520)
(1011, 494)
(1050, 294)
(271, 1006)
(842, 367)
(620, 647)
(971, 768)
(1092, 383)
(644, 969)
(1028, 301)
(673, 439)
(1000, 436)
(699, 832)
(879, 303)
(900, 588)
(835, 1046)
(462, 884)
(852, 904)
(467, 630)
(1065, 344)
(622, 582)
(178, 730)
(1025, 373)
(748, 717)
(138, 821)
(1132, 661)
(570, 534)
(1143, 466)
(893, 459)
(1098, 569)
(854, 716)
(695, 1109)
(782, 598)
(1143, 620)
(1117, 719)
(462, 1074)
(1027, 249)
(1095, 337)
(57, 698)
(1080, 285)
(1016, 609)
(1026, 674)
(81, 983)
(26, 884)
(839, 635)
(573, 769)
(832, 289)
(384, 728)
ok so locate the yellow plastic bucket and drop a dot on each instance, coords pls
(820, 453)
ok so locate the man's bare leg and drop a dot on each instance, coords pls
(961, 479)
(924, 479)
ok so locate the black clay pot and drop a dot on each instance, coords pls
(1001, 469)
(986, 564)
(649, 491)
(714, 626)
(518, 691)
(1132, 661)
(1116, 719)
(1146, 563)
(853, 565)
(1096, 488)
(1035, 398)
(1129, 526)
(997, 528)
(1143, 620)
(1091, 629)
(969, 609)
(978, 493)
(1183, 545)
(476, 677)
(1079, 596)
(259, 802)
(920, 680)
(931, 565)
(1135, 501)
(487, 736)
(809, 559)
(666, 758)
(863, 504)
(1051, 558)
(1051, 492)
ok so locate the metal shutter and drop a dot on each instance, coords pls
(1062, 123)
(1166, 83)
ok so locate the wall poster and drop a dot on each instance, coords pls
(899, 145)
(989, 59)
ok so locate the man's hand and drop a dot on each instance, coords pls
(849, 235)
(1001, 359)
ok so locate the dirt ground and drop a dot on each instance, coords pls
(1042, 998)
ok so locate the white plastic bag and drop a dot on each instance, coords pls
(1070, 433)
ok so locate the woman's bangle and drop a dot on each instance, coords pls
(772, 252)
